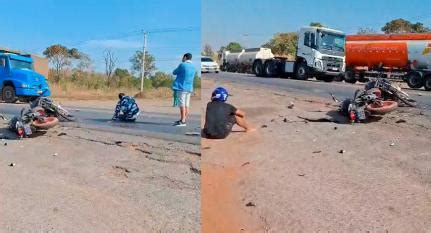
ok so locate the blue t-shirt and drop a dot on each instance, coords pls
(185, 73)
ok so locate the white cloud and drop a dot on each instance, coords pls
(114, 44)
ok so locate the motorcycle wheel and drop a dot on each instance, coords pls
(46, 123)
(383, 108)
(405, 99)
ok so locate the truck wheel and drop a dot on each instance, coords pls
(414, 80)
(339, 78)
(8, 94)
(349, 76)
(301, 71)
(270, 69)
(427, 82)
(258, 68)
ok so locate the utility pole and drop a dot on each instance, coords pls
(143, 61)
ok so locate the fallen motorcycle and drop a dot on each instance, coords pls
(30, 122)
(48, 107)
(365, 104)
(390, 91)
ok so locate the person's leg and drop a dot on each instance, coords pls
(242, 122)
(182, 104)
(187, 105)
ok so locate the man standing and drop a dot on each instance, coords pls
(183, 87)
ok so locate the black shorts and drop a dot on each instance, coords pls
(228, 128)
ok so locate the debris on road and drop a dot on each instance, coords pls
(301, 174)
(264, 126)
(246, 163)
(192, 134)
(62, 134)
(317, 151)
(335, 128)
(12, 164)
(318, 119)
(392, 144)
(291, 105)
(55, 154)
(401, 121)
(206, 148)
(341, 151)
(250, 204)
(122, 168)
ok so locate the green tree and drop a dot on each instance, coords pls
(316, 24)
(124, 78)
(161, 79)
(136, 61)
(60, 57)
(234, 47)
(207, 51)
(283, 44)
(404, 26)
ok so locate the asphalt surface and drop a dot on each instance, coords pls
(149, 124)
(312, 87)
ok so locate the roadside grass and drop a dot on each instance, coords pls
(71, 91)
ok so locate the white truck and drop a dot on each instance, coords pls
(243, 61)
(320, 54)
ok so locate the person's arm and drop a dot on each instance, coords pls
(239, 113)
(177, 70)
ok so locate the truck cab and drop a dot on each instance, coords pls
(18, 80)
(320, 52)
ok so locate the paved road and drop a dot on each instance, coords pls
(150, 124)
(311, 87)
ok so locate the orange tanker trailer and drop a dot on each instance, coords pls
(399, 55)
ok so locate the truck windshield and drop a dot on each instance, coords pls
(331, 41)
(21, 65)
(206, 59)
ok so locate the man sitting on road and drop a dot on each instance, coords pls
(126, 109)
(221, 116)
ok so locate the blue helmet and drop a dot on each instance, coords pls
(219, 94)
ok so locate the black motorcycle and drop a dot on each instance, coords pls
(48, 107)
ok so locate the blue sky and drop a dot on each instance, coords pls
(93, 26)
(253, 22)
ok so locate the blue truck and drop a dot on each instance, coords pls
(18, 80)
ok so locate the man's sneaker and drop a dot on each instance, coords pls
(179, 123)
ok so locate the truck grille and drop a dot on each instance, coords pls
(332, 63)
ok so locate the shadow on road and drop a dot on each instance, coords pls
(128, 124)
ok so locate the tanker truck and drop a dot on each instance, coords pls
(404, 56)
(319, 54)
(242, 61)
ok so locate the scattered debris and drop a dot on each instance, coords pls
(291, 105)
(392, 144)
(193, 153)
(285, 120)
(264, 126)
(12, 164)
(401, 121)
(341, 151)
(246, 163)
(334, 98)
(62, 134)
(143, 151)
(272, 120)
(249, 204)
(301, 174)
(316, 151)
(55, 154)
(318, 119)
(122, 168)
(5, 144)
(206, 148)
(118, 143)
(192, 134)
(419, 94)
(195, 170)
(335, 128)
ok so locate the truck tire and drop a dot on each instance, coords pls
(301, 72)
(427, 82)
(270, 68)
(258, 68)
(339, 78)
(349, 76)
(8, 94)
(414, 80)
